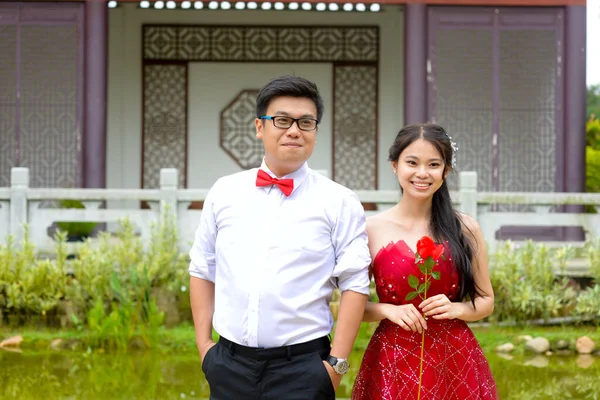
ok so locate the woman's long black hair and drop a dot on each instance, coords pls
(445, 223)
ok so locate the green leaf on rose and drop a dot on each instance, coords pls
(436, 275)
(413, 281)
(411, 296)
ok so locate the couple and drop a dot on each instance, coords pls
(274, 242)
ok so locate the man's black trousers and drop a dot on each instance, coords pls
(294, 372)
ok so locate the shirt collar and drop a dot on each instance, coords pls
(298, 175)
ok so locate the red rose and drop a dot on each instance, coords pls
(425, 247)
(437, 253)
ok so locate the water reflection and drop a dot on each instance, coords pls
(69, 375)
(155, 375)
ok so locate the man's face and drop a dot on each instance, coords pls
(287, 149)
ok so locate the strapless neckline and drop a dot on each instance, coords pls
(400, 242)
(392, 243)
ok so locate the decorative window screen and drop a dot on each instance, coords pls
(165, 121)
(352, 51)
(40, 92)
(496, 85)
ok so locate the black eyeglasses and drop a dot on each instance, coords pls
(304, 124)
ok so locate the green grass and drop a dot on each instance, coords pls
(182, 337)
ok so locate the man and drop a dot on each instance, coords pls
(271, 246)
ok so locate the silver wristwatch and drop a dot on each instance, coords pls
(340, 365)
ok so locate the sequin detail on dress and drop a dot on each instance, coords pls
(454, 366)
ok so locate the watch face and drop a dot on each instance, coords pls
(342, 366)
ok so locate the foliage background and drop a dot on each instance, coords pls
(593, 101)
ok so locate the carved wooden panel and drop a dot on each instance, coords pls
(528, 67)
(40, 60)
(50, 134)
(355, 126)
(165, 121)
(355, 132)
(8, 101)
(463, 99)
(237, 134)
(496, 86)
(260, 43)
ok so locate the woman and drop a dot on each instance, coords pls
(454, 366)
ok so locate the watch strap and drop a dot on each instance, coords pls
(339, 365)
(331, 360)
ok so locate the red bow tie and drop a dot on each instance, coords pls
(285, 185)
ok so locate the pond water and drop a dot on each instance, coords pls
(49, 375)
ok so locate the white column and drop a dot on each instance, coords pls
(468, 193)
(19, 184)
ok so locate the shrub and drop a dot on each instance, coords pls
(75, 230)
(592, 170)
(592, 132)
(593, 100)
(588, 302)
(592, 173)
(109, 288)
(526, 285)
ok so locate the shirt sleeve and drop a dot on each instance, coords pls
(349, 237)
(202, 253)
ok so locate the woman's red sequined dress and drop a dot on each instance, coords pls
(454, 366)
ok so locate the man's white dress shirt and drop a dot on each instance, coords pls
(275, 260)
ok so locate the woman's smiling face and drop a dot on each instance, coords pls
(420, 169)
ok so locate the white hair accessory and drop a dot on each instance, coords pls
(454, 150)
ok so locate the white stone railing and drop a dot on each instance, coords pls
(22, 205)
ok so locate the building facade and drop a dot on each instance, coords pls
(97, 94)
